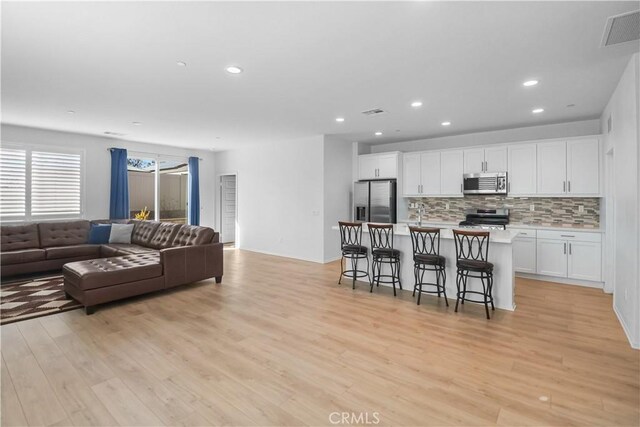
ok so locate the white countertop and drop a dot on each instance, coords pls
(451, 224)
(495, 236)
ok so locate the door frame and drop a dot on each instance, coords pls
(219, 199)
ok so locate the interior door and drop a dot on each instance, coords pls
(552, 167)
(228, 208)
(474, 160)
(583, 167)
(430, 173)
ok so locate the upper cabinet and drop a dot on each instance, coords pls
(521, 173)
(583, 167)
(378, 166)
(569, 168)
(490, 159)
(451, 170)
(421, 174)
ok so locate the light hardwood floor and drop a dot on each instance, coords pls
(280, 343)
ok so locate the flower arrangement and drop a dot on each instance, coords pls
(143, 214)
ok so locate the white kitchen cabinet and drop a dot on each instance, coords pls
(378, 166)
(583, 167)
(585, 260)
(490, 159)
(451, 170)
(495, 159)
(552, 167)
(411, 174)
(524, 254)
(388, 166)
(576, 255)
(522, 169)
(474, 160)
(551, 257)
(430, 173)
(421, 174)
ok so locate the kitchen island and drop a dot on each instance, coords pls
(500, 254)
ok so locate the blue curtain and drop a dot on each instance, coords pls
(119, 202)
(194, 191)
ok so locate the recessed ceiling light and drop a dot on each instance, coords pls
(181, 64)
(416, 104)
(340, 119)
(537, 110)
(530, 83)
(378, 133)
(71, 112)
(136, 123)
(445, 123)
(234, 69)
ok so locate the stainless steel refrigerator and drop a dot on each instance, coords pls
(375, 201)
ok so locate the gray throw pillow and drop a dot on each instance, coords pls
(121, 233)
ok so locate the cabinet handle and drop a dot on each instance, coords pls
(564, 186)
(482, 166)
(569, 248)
(461, 188)
(569, 186)
(486, 165)
(566, 235)
(565, 248)
(509, 187)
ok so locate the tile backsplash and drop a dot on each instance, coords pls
(548, 211)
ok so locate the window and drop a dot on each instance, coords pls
(40, 183)
(158, 184)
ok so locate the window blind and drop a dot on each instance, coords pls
(13, 171)
(55, 184)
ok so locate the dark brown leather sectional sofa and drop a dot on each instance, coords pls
(160, 256)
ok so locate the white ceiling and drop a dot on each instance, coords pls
(305, 64)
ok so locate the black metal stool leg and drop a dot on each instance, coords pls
(458, 279)
(393, 276)
(421, 274)
(444, 286)
(354, 265)
(484, 290)
(415, 279)
(341, 270)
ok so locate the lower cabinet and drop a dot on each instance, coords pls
(574, 255)
(524, 254)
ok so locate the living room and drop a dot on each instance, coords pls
(320, 213)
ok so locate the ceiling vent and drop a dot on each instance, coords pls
(374, 112)
(622, 28)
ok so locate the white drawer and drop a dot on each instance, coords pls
(581, 236)
(524, 232)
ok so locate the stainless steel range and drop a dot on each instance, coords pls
(486, 219)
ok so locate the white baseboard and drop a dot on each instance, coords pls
(561, 280)
(282, 255)
(633, 344)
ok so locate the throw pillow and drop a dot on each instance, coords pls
(121, 233)
(99, 234)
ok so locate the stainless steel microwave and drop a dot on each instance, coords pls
(485, 183)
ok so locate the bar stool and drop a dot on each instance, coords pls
(426, 257)
(352, 249)
(382, 252)
(472, 251)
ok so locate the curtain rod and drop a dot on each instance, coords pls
(151, 154)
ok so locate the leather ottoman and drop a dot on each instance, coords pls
(103, 280)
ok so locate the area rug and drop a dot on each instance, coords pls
(33, 298)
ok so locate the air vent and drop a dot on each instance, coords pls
(374, 112)
(622, 28)
(114, 133)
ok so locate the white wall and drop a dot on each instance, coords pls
(280, 196)
(623, 108)
(338, 184)
(531, 133)
(98, 165)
